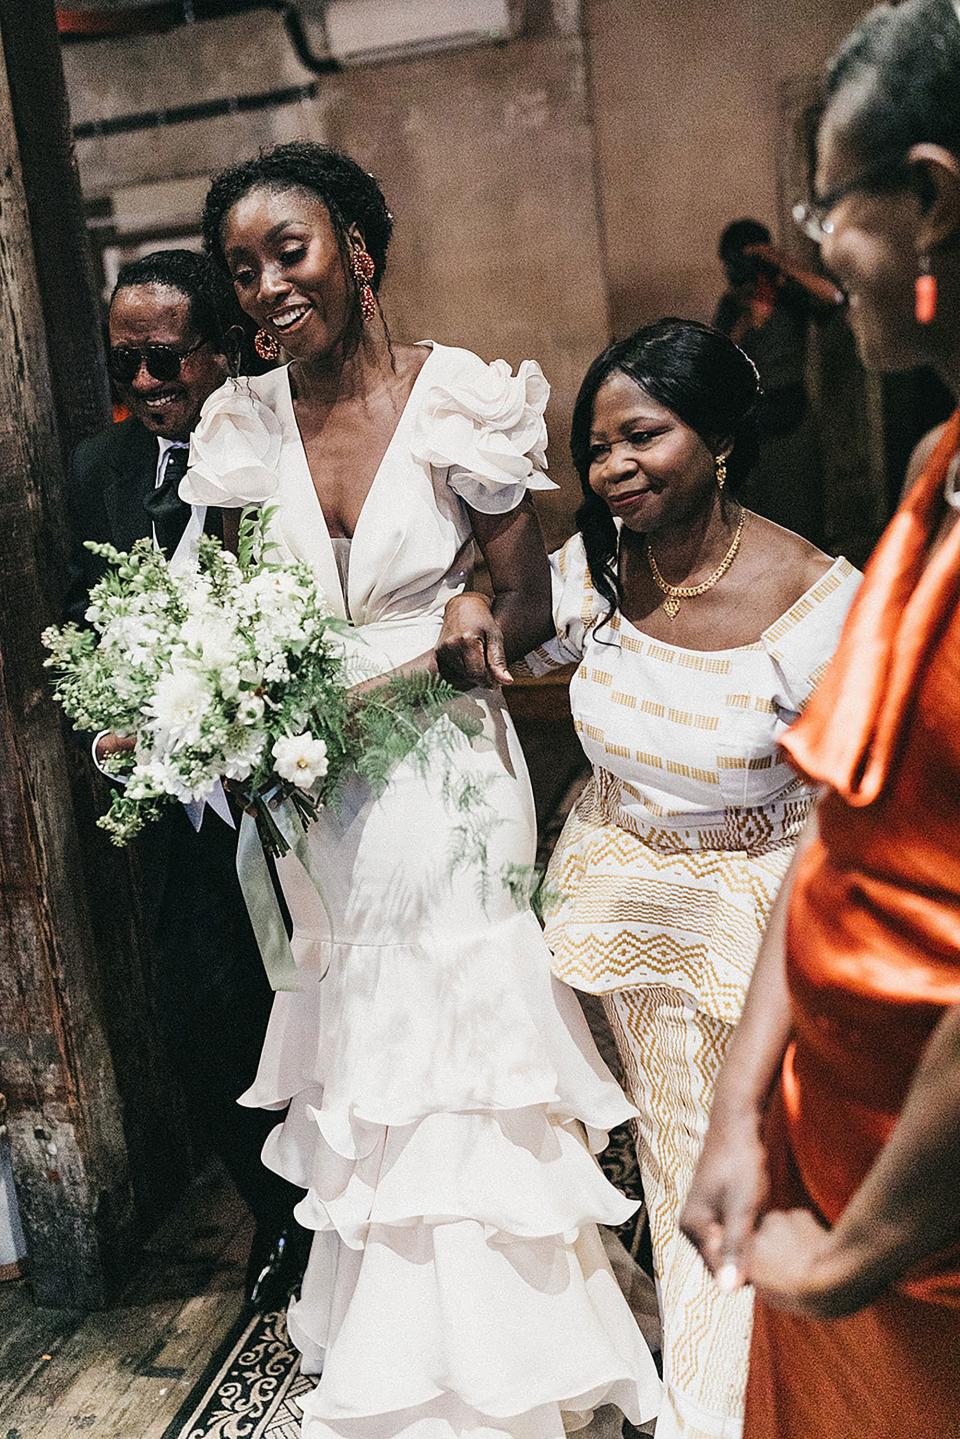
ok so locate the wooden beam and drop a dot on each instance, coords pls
(68, 298)
(69, 1152)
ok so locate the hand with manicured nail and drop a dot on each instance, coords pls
(726, 1197)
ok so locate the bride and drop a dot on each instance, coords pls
(444, 1093)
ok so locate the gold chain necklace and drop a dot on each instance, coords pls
(676, 593)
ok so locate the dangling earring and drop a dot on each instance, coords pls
(364, 270)
(925, 293)
(266, 345)
(720, 466)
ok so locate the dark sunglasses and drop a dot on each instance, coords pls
(162, 361)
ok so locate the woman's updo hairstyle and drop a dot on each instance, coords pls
(906, 58)
(351, 197)
(704, 379)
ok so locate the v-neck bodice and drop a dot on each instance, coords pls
(470, 434)
(396, 437)
(309, 530)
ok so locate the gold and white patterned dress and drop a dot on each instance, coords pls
(662, 882)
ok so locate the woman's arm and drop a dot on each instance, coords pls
(904, 1211)
(730, 1183)
(481, 635)
(516, 558)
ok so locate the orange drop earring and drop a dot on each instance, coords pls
(925, 293)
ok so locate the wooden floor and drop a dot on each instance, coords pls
(123, 1373)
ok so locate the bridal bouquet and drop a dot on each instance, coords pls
(231, 672)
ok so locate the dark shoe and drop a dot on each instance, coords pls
(275, 1267)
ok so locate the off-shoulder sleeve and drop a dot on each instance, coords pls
(234, 450)
(484, 426)
(802, 642)
(576, 607)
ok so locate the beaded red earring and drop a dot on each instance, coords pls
(364, 270)
(266, 345)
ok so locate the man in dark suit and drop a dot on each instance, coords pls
(168, 352)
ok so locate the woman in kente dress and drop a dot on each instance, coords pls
(444, 1093)
(832, 1164)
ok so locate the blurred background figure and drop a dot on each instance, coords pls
(766, 310)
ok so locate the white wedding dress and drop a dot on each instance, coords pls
(444, 1091)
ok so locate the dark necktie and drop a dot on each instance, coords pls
(164, 506)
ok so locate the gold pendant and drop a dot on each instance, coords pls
(671, 605)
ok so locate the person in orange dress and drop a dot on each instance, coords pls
(831, 1169)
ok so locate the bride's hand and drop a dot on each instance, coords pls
(470, 650)
(109, 743)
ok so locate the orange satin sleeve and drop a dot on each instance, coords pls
(873, 933)
(848, 734)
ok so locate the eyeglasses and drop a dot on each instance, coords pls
(813, 216)
(162, 361)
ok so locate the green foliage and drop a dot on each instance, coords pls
(529, 888)
(212, 670)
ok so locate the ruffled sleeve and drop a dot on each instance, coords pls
(576, 607)
(234, 450)
(484, 426)
(802, 642)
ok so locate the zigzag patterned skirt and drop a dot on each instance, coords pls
(669, 937)
(684, 908)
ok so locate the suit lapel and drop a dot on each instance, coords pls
(133, 475)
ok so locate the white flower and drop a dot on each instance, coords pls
(241, 762)
(152, 776)
(250, 710)
(234, 450)
(229, 681)
(301, 759)
(276, 671)
(181, 700)
(487, 425)
(212, 633)
(130, 632)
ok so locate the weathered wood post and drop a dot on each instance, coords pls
(70, 1155)
(87, 1150)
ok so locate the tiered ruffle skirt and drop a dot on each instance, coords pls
(446, 1101)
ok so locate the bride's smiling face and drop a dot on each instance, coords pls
(282, 254)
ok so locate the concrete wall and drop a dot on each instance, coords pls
(548, 192)
(487, 163)
(247, 55)
(686, 116)
(485, 156)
